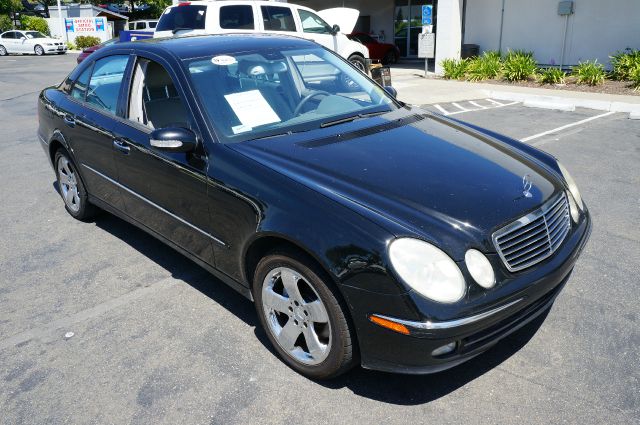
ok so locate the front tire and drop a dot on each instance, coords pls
(3, 50)
(358, 62)
(71, 188)
(302, 317)
(38, 50)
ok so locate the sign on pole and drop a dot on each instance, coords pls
(427, 15)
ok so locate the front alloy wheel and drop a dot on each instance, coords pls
(38, 50)
(71, 187)
(302, 316)
(3, 50)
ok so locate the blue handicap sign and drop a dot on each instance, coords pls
(427, 15)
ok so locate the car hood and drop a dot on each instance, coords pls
(416, 173)
(344, 17)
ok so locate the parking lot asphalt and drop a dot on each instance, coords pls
(101, 323)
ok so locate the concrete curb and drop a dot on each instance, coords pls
(566, 103)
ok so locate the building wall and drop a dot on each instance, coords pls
(595, 30)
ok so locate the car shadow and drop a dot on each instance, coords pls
(385, 387)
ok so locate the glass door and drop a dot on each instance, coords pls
(408, 24)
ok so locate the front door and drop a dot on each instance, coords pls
(316, 29)
(408, 24)
(164, 191)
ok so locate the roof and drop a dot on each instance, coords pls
(207, 45)
(97, 11)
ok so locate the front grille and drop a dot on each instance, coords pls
(535, 236)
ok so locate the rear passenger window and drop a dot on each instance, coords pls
(278, 18)
(237, 17)
(104, 86)
(187, 16)
(140, 26)
(80, 86)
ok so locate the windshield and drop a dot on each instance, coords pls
(35, 34)
(264, 93)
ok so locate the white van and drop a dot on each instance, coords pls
(146, 25)
(217, 17)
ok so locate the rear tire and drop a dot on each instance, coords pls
(71, 188)
(358, 62)
(3, 50)
(306, 325)
(38, 50)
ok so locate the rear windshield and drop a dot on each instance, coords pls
(183, 17)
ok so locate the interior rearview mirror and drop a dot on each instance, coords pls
(391, 91)
(335, 29)
(173, 139)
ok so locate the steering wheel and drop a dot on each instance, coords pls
(308, 98)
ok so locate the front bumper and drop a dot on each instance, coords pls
(383, 349)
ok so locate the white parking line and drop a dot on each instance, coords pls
(564, 127)
(460, 107)
(441, 109)
(478, 105)
(495, 102)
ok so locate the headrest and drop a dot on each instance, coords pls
(255, 68)
(156, 76)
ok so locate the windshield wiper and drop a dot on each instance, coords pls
(351, 118)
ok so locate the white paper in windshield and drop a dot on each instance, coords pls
(252, 108)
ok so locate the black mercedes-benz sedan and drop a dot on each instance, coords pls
(366, 231)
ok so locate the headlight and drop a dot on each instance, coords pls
(573, 188)
(480, 268)
(573, 208)
(427, 270)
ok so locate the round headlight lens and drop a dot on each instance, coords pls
(427, 270)
(573, 188)
(480, 268)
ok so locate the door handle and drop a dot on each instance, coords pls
(121, 146)
(69, 120)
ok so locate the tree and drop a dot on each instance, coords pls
(10, 6)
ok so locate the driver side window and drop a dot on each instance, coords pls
(155, 101)
(104, 86)
(312, 23)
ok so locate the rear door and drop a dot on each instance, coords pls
(164, 191)
(90, 118)
(9, 42)
(278, 19)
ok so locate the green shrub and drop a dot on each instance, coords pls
(623, 64)
(71, 46)
(84, 41)
(634, 76)
(34, 23)
(519, 65)
(552, 76)
(5, 23)
(485, 67)
(588, 72)
(453, 69)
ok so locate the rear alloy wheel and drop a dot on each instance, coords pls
(358, 62)
(38, 50)
(71, 188)
(302, 317)
(3, 50)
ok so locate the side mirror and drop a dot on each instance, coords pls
(391, 91)
(335, 29)
(173, 139)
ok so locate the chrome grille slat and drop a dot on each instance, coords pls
(535, 236)
(524, 231)
(544, 243)
(525, 236)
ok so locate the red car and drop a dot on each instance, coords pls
(384, 52)
(88, 50)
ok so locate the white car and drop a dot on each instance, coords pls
(30, 42)
(232, 16)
